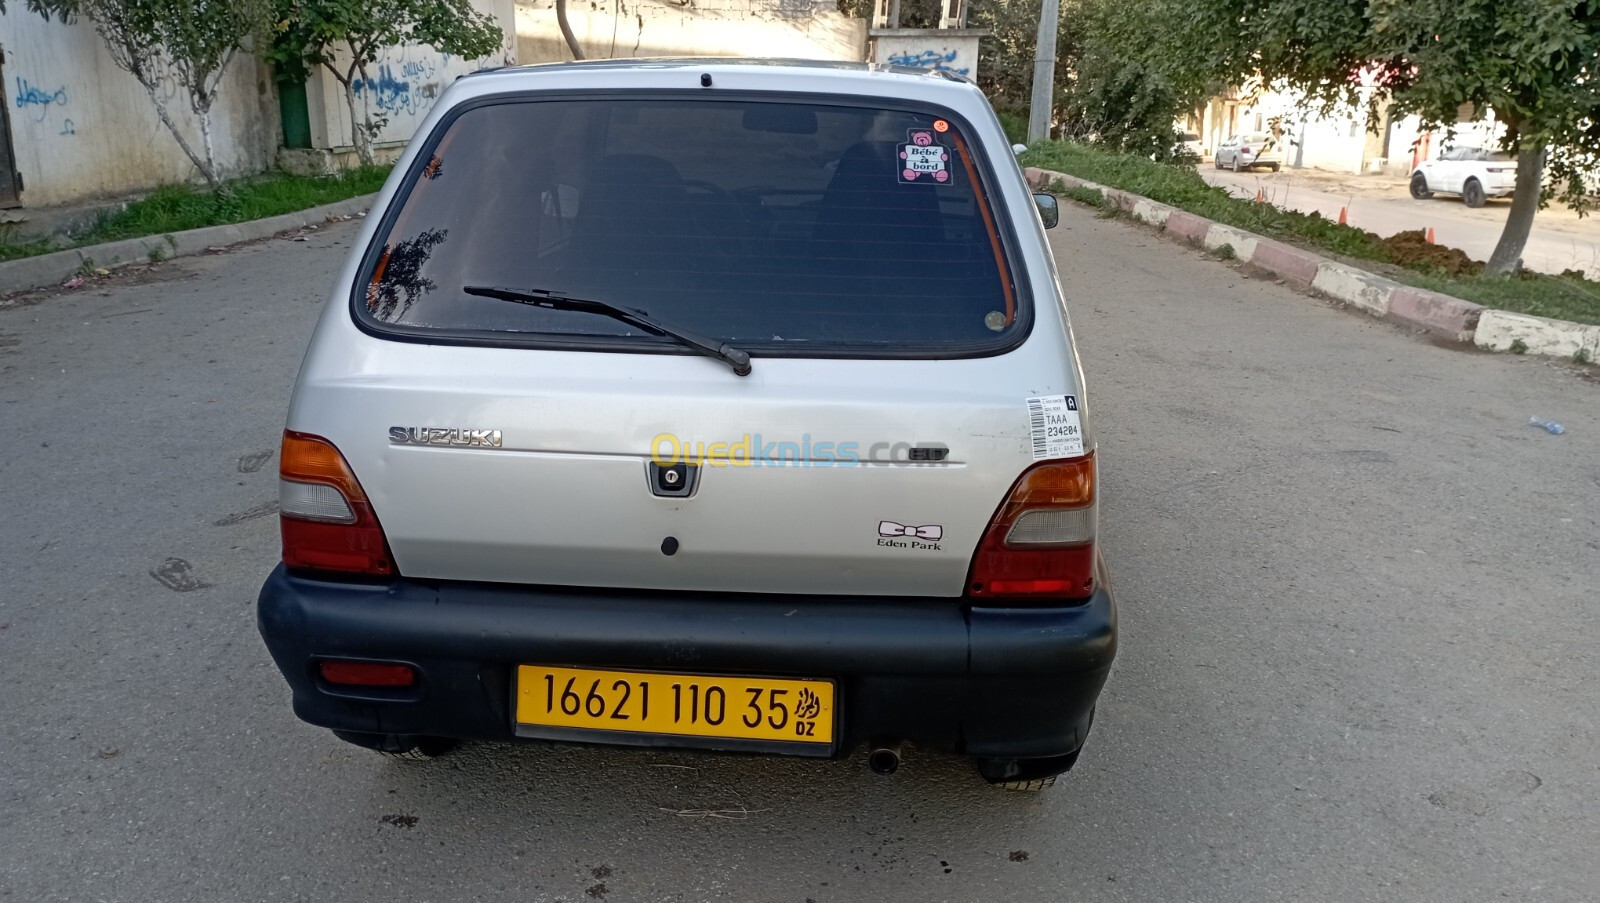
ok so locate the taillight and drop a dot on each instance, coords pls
(327, 522)
(1244, 150)
(1040, 542)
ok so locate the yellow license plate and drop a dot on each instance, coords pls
(554, 701)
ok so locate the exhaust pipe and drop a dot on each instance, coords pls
(884, 760)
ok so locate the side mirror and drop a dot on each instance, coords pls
(1049, 209)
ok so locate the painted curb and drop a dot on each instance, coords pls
(57, 267)
(1442, 315)
(1497, 329)
(1362, 289)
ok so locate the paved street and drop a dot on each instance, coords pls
(1559, 240)
(1358, 661)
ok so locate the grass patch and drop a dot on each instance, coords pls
(1566, 297)
(1085, 195)
(175, 208)
(14, 251)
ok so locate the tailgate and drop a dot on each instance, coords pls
(824, 500)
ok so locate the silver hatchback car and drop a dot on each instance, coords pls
(705, 403)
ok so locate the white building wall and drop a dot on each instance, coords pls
(796, 29)
(81, 128)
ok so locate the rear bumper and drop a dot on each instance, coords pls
(986, 682)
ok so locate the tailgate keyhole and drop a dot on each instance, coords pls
(673, 480)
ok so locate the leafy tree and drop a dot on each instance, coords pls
(1118, 94)
(61, 9)
(1005, 57)
(190, 41)
(1531, 62)
(344, 37)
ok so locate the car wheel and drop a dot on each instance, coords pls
(1236, 166)
(1028, 775)
(400, 746)
(1029, 786)
(1216, 162)
(1277, 167)
(1472, 193)
(1419, 187)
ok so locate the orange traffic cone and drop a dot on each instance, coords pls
(1430, 235)
(1342, 219)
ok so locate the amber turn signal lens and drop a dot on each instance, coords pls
(312, 459)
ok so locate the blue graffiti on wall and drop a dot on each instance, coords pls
(30, 96)
(400, 95)
(928, 59)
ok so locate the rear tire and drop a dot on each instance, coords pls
(411, 747)
(1472, 194)
(1236, 166)
(1276, 167)
(1033, 786)
(1027, 775)
(1419, 187)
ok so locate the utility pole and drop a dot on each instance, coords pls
(1044, 71)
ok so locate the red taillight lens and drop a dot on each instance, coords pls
(1244, 150)
(367, 674)
(327, 522)
(1040, 543)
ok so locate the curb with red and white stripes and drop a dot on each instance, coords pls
(1441, 315)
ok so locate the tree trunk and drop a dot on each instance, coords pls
(358, 131)
(369, 132)
(211, 153)
(359, 134)
(566, 30)
(204, 165)
(1507, 256)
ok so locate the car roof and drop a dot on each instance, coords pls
(713, 65)
(726, 74)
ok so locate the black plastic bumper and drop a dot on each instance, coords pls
(933, 672)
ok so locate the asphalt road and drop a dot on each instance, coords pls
(1358, 659)
(1559, 240)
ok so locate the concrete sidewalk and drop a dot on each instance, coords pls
(60, 266)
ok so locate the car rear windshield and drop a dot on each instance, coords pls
(783, 227)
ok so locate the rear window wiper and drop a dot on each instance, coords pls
(553, 300)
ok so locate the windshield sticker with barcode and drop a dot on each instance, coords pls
(923, 159)
(1054, 427)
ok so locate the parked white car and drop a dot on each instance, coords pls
(1475, 173)
(704, 403)
(1248, 151)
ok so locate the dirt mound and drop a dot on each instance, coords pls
(1411, 249)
